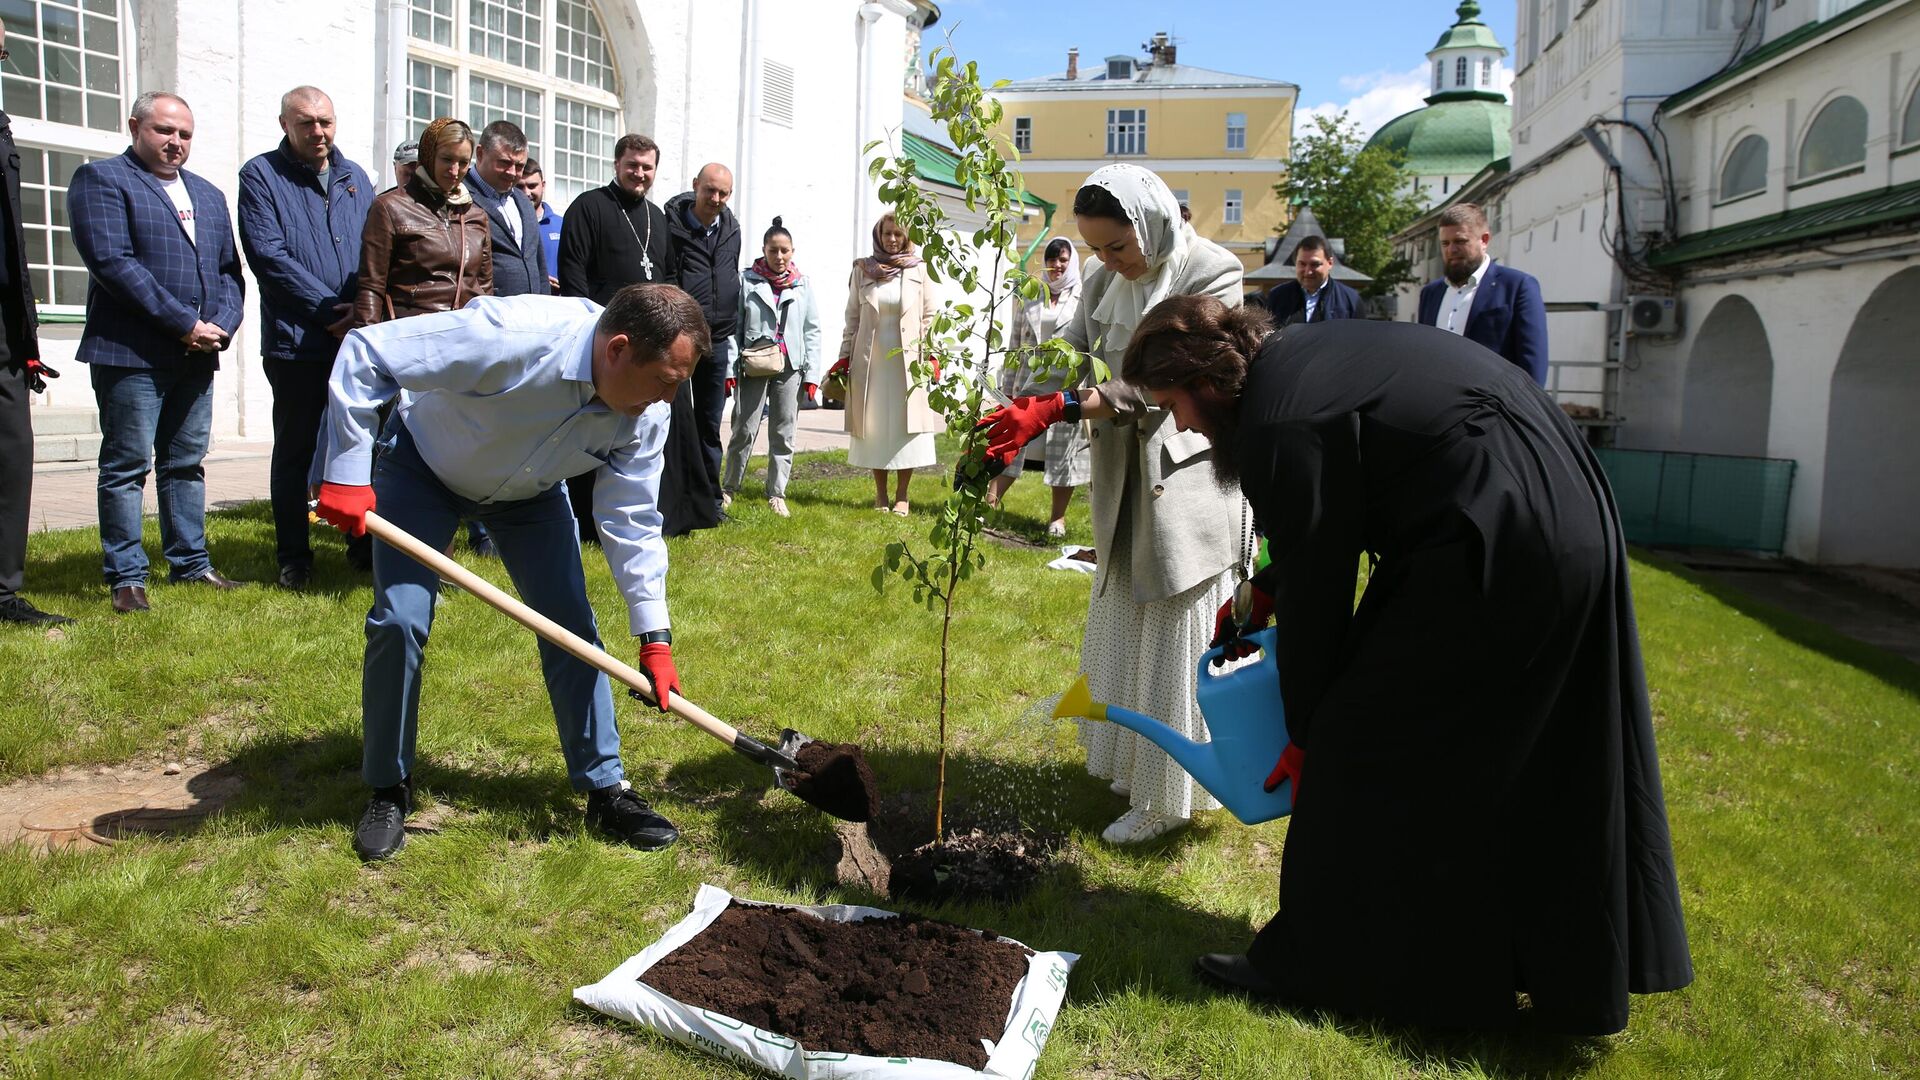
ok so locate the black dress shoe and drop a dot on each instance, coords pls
(209, 576)
(296, 576)
(360, 552)
(17, 609)
(1233, 971)
(128, 598)
(383, 827)
(621, 816)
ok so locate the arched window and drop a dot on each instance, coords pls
(1836, 139)
(1745, 171)
(63, 84)
(1439, 72)
(1910, 126)
(543, 64)
(1460, 71)
(1486, 71)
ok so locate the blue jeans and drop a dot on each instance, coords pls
(160, 417)
(537, 542)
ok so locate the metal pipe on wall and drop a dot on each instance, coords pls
(394, 117)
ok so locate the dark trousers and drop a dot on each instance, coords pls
(299, 403)
(16, 472)
(709, 405)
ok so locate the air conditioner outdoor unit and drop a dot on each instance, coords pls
(1653, 316)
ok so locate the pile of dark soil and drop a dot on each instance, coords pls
(895, 987)
(974, 865)
(985, 856)
(836, 778)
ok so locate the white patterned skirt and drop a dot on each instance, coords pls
(1069, 456)
(1142, 657)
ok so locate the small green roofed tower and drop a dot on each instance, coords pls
(1466, 124)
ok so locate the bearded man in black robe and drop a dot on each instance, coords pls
(1479, 837)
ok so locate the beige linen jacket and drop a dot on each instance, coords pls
(859, 342)
(1185, 526)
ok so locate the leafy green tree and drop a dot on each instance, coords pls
(1356, 193)
(965, 338)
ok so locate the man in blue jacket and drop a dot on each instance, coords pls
(164, 299)
(1313, 295)
(533, 184)
(1497, 306)
(302, 207)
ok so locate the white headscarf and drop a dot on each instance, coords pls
(1164, 239)
(1070, 278)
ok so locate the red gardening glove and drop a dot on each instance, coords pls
(345, 506)
(730, 387)
(1288, 769)
(1250, 609)
(839, 368)
(1011, 427)
(37, 376)
(936, 369)
(656, 662)
(813, 391)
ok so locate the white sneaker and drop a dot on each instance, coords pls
(779, 506)
(1139, 825)
(1120, 787)
(726, 499)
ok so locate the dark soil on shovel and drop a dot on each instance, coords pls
(836, 778)
(892, 987)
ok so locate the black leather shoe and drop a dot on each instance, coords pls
(621, 816)
(209, 576)
(128, 598)
(17, 609)
(1233, 971)
(382, 829)
(296, 576)
(485, 549)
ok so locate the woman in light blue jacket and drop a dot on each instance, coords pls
(779, 332)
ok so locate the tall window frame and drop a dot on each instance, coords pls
(67, 86)
(1744, 170)
(546, 65)
(1460, 71)
(1023, 134)
(1236, 131)
(1126, 132)
(1232, 207)
(1910, 119)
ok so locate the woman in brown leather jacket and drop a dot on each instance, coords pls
(426, 247)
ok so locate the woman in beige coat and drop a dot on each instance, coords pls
(890, 304)
(1173, 540)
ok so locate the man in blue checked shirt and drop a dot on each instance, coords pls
(501, 401)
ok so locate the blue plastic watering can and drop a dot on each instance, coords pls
(1245, 721)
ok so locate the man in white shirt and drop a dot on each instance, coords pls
(1495, 305)
(501, 401)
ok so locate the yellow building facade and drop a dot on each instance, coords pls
(1220, 141)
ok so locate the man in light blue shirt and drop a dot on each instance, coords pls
(500, 402)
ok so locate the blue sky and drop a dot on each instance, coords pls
(1367, 56)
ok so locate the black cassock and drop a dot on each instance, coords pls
(1480, 807)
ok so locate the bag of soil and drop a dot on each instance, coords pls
(789, 968)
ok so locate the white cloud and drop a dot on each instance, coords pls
(1382, 95)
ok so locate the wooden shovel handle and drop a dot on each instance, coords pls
(438, 562)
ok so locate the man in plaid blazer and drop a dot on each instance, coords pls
(164, 300)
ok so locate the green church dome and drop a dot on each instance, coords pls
(1459, 134)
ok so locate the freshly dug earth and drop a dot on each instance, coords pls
(977, 865)
(836, 778)
(894, 987)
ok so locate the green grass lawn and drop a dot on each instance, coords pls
(259, 945)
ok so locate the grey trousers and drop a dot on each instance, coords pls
(781, 394)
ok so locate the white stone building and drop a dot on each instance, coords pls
(1755, 165)
(784, 93)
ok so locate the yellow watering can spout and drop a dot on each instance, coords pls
(1078, 702)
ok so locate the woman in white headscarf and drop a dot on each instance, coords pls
(1068, 462)
(1173, 541)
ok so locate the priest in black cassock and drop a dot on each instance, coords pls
(612, 237)
(1478, 812)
